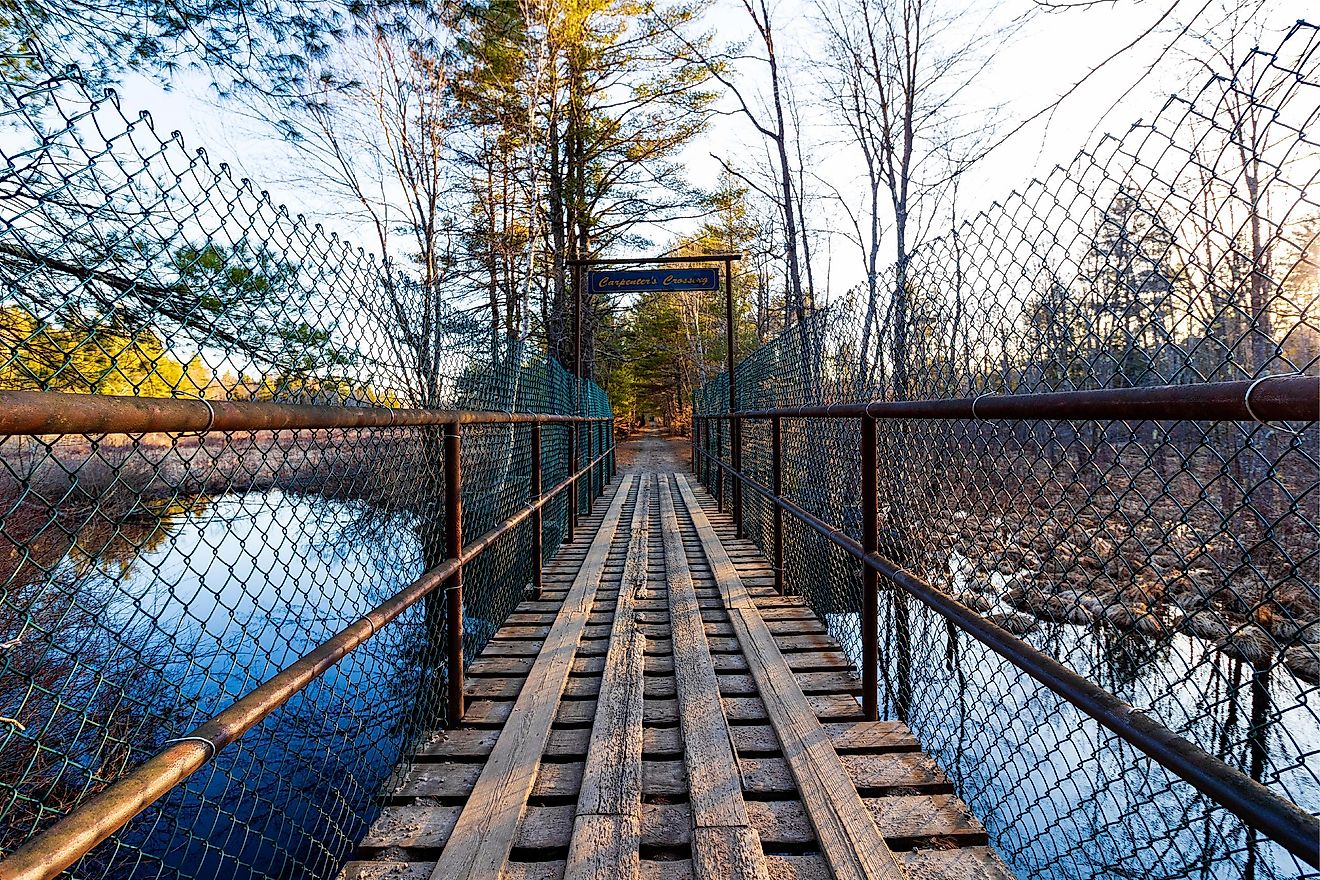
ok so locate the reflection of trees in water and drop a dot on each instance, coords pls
(99, 683)
(81, 682)
(1063, 797)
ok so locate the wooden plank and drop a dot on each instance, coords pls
(607, 831)
(488, 826)
(872, 737)
(727, 852)
(724, 845)
(845, 832)
(466, 744)
(604, 846)
(968, 863)
(904, 820)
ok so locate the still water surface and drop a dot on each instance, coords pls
(222, 595)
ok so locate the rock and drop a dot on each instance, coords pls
(1150, 625)
(1206, 625)
(1064, 607)
(1017, 624)
(1130, 616)
(1304, 662)
(1283, 629)
(1103, 548)
(976, 601)
(1084, 599)
(1025, 595)
(1249, 643)
(1310, 633)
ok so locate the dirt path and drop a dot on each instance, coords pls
(652, 453)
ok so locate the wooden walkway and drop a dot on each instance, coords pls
(661, 713)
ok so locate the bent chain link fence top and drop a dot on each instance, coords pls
(148, 581)
(1173, 562)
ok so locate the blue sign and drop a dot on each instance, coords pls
(648, 280)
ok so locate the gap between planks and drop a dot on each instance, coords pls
(607, 829)
(724, 844)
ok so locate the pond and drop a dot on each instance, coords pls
(158, 623)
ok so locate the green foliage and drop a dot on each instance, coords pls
(100, 356)
(670, 343)
(268, 47)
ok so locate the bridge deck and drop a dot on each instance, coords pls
(595, 744)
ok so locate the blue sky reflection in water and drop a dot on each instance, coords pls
(242, 586)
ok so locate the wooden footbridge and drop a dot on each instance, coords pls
(660, 711)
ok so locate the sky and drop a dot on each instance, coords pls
(1050, 53)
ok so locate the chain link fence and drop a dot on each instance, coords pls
(1173, 562)
(147, 581)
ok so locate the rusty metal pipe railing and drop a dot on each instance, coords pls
(52, 851)
(1257, 806)
(1270, 398)
(56, 412)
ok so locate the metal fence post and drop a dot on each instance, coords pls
(870, 577)
(777, 484)
(719, 471)
(454, 550)
(591, 466)
(735, 425)
(538, 577)
(692, 442)
(705, 457)
(735, 458)
(698, 459)
(572, 477)
(598, 430)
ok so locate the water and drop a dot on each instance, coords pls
(1064, 799)
(171, 618)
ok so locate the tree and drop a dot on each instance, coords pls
(625, 91)
(1127, 280)
(104, 355)
(771, 123)
(895, 70)
(674, 342)
(263, 46)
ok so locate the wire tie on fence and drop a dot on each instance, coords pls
(975, 401)
(1246, 401)
(210, 415)
(201, 739)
